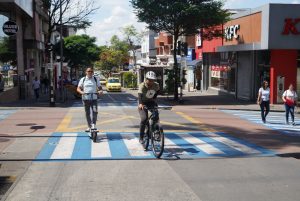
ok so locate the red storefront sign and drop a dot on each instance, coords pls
(290, 26)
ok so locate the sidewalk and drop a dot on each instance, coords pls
(43, 101)
(211, 100)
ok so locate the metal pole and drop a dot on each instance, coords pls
(61, 50)
(51, 78)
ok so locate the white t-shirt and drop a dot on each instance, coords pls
(265, 94)
(89, 86)
(292, 95)
(36, 84)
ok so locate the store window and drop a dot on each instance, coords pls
(7, 57)
(223, 71)
(263, 64)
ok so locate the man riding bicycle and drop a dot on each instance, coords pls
(89, 87)
(147, 95)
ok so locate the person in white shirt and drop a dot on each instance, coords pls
(289, 98)
(263, 100)
(89, 86)
(36, 87)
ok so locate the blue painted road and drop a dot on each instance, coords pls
(275, 121)
(6, 113)
(120, 146)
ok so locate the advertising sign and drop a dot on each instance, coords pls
(10, 28)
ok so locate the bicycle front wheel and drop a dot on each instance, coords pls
(158, 141)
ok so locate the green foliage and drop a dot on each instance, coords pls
(130, 79)
(6, 51)
(170, 80)
(81, 50)
(112, 57)
(169, 88)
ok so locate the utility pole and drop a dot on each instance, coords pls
(52, 100)
(61, 52)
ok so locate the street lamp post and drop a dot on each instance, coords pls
(61, 50)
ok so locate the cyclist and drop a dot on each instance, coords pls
(147, 95)
(89, 87)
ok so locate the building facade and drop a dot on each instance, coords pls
(258, 44)
(28, 43)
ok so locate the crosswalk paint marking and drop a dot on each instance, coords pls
(231, 143)
(82, 146)
(65, 146)
(117, 146)
(171, 147)
(78, 146)
(133, 145)
(101, 149)
(202, 145)
(49, 146)
(275, 121)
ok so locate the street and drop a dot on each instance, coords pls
(210, 154)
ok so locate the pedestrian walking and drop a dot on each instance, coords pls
(46, 83)
(289, 98)
(263, 100)
(36, 87)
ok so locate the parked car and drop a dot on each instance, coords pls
(103, 81)
(113, 84)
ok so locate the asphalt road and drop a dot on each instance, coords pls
(210, 156)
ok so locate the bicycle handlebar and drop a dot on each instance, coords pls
(158, 107)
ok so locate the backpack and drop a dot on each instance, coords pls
(94, 79)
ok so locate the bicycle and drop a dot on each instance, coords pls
(93, 130)
(154, 132)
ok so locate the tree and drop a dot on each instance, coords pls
(7, 51)
(180, 18)
(75, 13)
(113, 56)
(133, 38)
(81, 50)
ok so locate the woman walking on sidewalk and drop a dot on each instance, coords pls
(263, 100)
(289, 98)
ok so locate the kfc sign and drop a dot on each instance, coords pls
(290, 26)
(231, 32)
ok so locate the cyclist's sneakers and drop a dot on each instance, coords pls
(88, 130)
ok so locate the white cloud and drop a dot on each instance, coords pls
(113, 17)
(296, 2)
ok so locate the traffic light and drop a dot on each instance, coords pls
(178, 47)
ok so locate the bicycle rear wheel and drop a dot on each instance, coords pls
(158, 141)
(146, 137)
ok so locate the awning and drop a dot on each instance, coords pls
(194, 62)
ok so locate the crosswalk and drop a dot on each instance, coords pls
(118, 146)
(5, 113)
(131, 104)
(275, 120)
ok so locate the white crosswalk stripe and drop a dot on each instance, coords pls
(76, 146)
(231, 143)
(65, 146)
(101, 150)
(133, 145)
(275, 120)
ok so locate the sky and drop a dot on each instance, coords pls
(115, 14)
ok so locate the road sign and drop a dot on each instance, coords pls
(10, 28)
(5, 67)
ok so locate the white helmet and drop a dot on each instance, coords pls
(150, 75)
